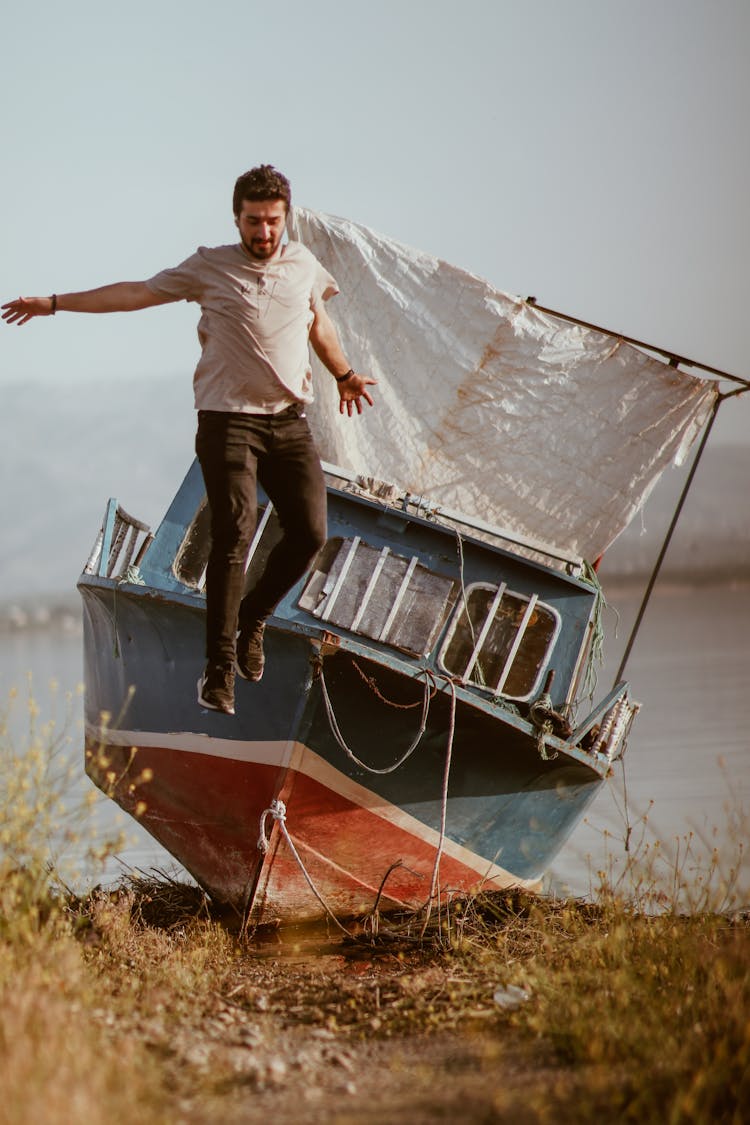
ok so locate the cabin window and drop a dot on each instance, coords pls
(370, 590)
(192, 556)
(268, 533)
(500, 640)
(190, 561)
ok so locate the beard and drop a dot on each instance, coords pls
(261, 250)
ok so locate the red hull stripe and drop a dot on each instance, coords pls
(341, 791)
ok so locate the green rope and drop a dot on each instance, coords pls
(596, 648)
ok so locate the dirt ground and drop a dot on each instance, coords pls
(338, 1035)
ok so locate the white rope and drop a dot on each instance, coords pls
(443, 808)
(277, 810)
(336, 731)
(465, 605)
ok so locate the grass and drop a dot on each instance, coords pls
(48, 830)
(137, 1004)
(654, 1008)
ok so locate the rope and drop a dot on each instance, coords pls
(543, 730)
(443, 808)
(370, 681)
(465, 603)
(277, 810)
(596, 649)
(542, 717)
(336, 731)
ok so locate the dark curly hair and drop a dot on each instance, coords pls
(262, 183)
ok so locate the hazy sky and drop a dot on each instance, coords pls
(594, 153)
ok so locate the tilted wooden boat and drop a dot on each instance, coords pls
(416, 638)
(425, 724)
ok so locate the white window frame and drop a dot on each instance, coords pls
(500, 592)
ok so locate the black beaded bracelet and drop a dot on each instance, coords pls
(343, 378)
(54, 303)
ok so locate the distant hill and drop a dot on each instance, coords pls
(65, 450)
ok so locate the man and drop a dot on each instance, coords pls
(262, 301)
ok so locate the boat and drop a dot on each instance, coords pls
(428, 723)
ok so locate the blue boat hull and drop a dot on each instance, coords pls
(200, 782)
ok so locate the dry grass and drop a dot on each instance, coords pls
(644, 1017)
(139, 1005)
(59, 1060)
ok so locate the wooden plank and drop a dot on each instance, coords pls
(330, 601)
(108, 530)
(377, 571)
(399, 598)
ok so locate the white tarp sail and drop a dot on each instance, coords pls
(485, 404)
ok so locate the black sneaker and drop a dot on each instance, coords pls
(216, 688)
(251, 659)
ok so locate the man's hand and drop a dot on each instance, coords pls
(24, 308)
(122, 296)
(325, 342)
(352, 391)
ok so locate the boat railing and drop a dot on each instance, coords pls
(608, 724)
(120, 544)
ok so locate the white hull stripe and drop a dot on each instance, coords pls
(271, 753)
(296, 756)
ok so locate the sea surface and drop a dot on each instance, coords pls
(682, 789)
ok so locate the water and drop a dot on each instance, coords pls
(688, 762)
(687, 765)
(46, 665)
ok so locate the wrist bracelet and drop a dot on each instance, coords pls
(53, 299)
(343, 378)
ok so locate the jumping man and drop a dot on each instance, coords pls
(262, 301)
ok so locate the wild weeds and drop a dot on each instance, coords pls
(48, 833)
(58, 1062)
(693, 873)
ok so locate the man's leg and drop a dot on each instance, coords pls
(291, 474)
(228, 461)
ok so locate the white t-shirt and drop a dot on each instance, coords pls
(254, 326)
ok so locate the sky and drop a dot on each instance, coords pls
(593, 153)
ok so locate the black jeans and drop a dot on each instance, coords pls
(235, 452)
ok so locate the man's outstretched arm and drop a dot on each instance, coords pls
(123, 296)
